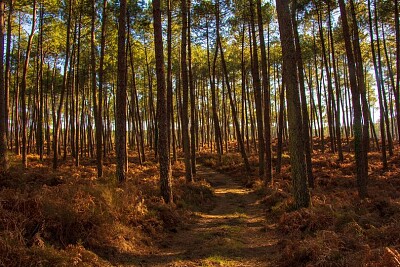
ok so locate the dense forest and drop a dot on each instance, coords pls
(267, 131)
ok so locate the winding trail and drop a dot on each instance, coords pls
(233, 233)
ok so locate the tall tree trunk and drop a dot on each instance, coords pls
(304, 110)
(3, 118)
(267, 101)
(193, 120)
(77, 86)
(337, 88)
(7, 75)
(397, 91)
(296, 147)
(99, 117)
(120, 129)
(136, 108)
(170, 107)
(378, 83)
(40, 144)
(185, 89)
(280, 129)
(233, 108)
(211, 74)
(257, 95)
(359, 149)
(243, 83)
(23, 88)
(56, 130)
(163, 144)
(17, 92)
(382, 92)
(94, 84)
(329, 80)
(362, 88)
(391, 77)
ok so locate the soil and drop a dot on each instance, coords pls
(233, 233)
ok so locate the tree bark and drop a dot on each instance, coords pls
(304, 110)
(57, 122)
(378, 83)
(97, 112)
(267, 101)
(23, 88)
(3, 118)
(397, 91)
(337, 88)
(296, 147)
(211, 73)
(193, 120)
(120, 129)
(185, 89)
(170, 111)
(257, 95)
(98, 117)
(362, 177)
(7, 76)
(233, 108)
(163, 144)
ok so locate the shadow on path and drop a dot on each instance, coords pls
(231, 234)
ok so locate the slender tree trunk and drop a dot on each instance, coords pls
(257, 95)
(397, 91)
(329, 80)
(163, 145)
(47, 111)
(211, 73)
(120, 131)
(185, 89)
(56, 130)
(192, 98)
(17, 92)
(134, 110)
(7, 75)
(362, 89)
(77, 86)
(362, 177)
(170, 113)
(378, 83)
(233, 108)
(98, 104)
(391, 76)
(40, 85)
(3, 118)
(296, 147)
(382, 92)
(99, 132)
(337, 88)
(267, 101)
(304, 110)
(94, 80)
(244, 127)
(280, 129)
(23, 88)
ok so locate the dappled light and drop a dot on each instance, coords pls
(232, 191)
(199, 133)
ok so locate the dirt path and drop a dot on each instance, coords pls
(232, 234)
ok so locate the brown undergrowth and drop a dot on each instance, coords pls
(338, 229)
(69, 217)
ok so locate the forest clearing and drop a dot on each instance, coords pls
(199, 133)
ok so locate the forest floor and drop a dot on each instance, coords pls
(231, 233)
(227, 217)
